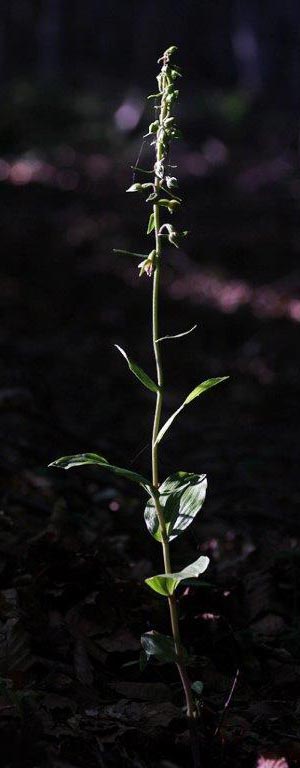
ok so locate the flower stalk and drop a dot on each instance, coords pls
(161, 156)
(173, 503)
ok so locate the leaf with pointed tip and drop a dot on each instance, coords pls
(195, 393)
(151, 223)
(177, 335)
(161, 647)
(138, 372)
(181, 496)
(82, 459)
(166, 583)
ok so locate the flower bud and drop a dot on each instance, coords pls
(171, 205)
(171, 182)
(153, 127)
(135, 188)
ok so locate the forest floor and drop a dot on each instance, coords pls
(74, 550)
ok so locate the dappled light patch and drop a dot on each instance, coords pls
(230, 295)
(128, 115)
(269, 761)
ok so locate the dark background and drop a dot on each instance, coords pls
(74, 550)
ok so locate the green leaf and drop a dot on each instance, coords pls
(135, 188)
(138, 372)
(165, 584)
(177, 335)
(151, 223)
(197, 687)
(195, 393)
(181, 497)
(203, 387)
(81, 459)
(161, 647)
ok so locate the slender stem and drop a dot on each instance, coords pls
(155, 475)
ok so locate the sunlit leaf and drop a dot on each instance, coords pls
(82, 459)
(165, 584)
(205, 385)
(181, 496)
(151, 223)
(138, 372)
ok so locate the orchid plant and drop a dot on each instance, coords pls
(172, 504)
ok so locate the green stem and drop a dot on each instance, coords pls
(155, 475)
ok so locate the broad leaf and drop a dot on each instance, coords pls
(181, 496)
(165, 584)
(195, 393)
(138, 372)
(161, 647)
(82, 459)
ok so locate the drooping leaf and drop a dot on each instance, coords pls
(151, 223)
(161, 647)
(181, 496)
(138, 372)
(177, 335)
(195, 393)
(165, 584)
(81, 459)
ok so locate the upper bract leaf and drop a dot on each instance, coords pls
(81, 459)
(203, 387)
(138, 372)
(151, 224)
(181, 496)
(195, 393)
(166, 583)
